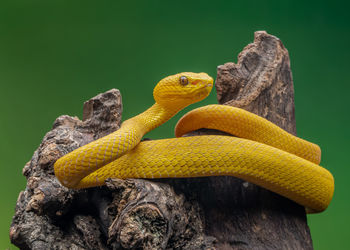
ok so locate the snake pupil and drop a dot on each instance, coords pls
(183, 80)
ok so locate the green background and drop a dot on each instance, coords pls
(54, 55)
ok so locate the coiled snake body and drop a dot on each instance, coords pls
(262, 153)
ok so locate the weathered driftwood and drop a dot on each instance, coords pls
(194, 213)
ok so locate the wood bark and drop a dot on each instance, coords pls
(193, 213)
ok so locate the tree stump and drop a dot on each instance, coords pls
(193, 213)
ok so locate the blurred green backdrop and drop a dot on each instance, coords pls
(54, 55)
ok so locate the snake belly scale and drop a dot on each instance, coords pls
(261, 152)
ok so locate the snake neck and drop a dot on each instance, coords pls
(150, 119)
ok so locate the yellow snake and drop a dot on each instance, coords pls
(261, 152)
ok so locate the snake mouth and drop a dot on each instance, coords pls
(201, 92)
(204, 85)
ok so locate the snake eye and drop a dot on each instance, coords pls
(183, 80)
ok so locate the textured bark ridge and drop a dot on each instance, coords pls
(193, 213)
(261, 81)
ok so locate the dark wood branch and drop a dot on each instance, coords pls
(194, 213)
(254, 218)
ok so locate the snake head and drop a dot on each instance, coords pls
(180, 90)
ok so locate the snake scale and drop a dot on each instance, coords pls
(259, 152)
